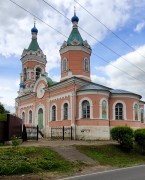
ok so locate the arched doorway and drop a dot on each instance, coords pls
(40, 118)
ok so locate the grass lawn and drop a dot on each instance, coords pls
(23, 160)
(112, 155)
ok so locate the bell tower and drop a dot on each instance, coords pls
(75, 54)
(33, 65)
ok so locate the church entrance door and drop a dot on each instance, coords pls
(40, 118)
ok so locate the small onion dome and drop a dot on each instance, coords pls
(74, 19)
(22, 85)
(34, 29)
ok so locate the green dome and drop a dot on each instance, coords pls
(33, 45)
(50, 82)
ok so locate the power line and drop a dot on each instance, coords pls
(117, 67)
(37, 17)
(95, 38)
(109, 29)
(67, 37)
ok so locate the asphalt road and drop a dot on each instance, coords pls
(131, 173)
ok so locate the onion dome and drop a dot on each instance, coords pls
(34, 29)
(22, 85)
(74, 19)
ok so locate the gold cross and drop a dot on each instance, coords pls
(74, 9)
(34, 20)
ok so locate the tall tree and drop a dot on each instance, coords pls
(2, 109)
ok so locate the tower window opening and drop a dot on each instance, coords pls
(25, 74)
(38, 72)
(64, 65)
(86, 65)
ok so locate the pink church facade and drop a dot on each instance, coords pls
(91, 109)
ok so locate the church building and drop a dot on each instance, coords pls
(89, 108)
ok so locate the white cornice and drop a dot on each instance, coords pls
(60, 96)
(125, 96)
(27, 96)
(79, 76)
(97, 92)
(26, 106)
(75, 48)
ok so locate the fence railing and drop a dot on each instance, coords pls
(61, 133)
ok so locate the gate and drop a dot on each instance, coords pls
(30, 133)
(61, 133)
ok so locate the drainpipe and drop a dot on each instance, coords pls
(109, 113)
(75, 109)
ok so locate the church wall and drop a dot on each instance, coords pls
(95, 107)
(92, 132)
(32, 64)
(128, 102)
(75, 62)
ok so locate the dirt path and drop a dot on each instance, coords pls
(70, 153)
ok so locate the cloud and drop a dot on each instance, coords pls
(119, 80)
(139, 27)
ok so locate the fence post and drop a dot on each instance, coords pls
(63, 132)
(37, 132)
(71, 132)
(51, 134)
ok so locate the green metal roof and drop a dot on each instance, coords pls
(33, 45)
(50, 82)
(75, 35)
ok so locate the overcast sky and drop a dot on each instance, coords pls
(126, 18)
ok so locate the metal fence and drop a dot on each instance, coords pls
(61, 133)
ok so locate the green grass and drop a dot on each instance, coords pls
(112, 155)
(22, 160)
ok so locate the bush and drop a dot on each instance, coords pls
(124, 136)
(3, 117)
(139, 136)
(16, 141)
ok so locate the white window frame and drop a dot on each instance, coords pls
(134, 111)
(51, 112)
(101, 101)
(124, 110)
(64, 65)
(80, 107)
(84, 64)
(62, 110)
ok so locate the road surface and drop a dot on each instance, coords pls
(130, 173)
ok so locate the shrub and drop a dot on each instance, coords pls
(16, 141)
(124, 136)
(3, 117)
(139, 136)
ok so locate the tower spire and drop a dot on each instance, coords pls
(74, 11)
(34, 21)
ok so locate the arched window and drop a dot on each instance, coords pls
(30, 116)
(23, 117)
(104, 109)
(25, 74)
(86, 64)
(119, 111)
(136, 112)
(53, 113)
(85, 109)
(40, 118)
(142, 116)
(38, 72)
(65, 111)
(64, 65)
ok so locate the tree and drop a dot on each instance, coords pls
(3, 110)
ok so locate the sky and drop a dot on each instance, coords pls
(118, 63)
